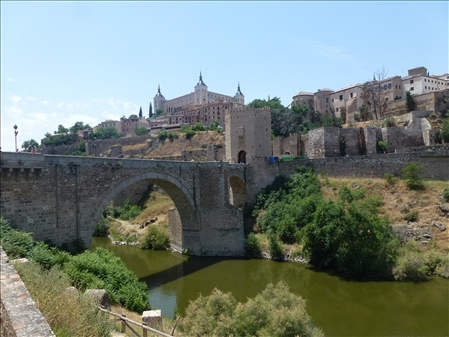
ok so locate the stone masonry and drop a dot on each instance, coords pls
(61, 198)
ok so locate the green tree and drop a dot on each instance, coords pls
(140, 112)
(82, 147)
(48, 134)
(274, 312)
(444, 133)
(412, 174)
(198, 127)
(106, 133)
(30, 145)
(159, 112)
(133, 116)
(410, 102)
(141, 130)
(150, 111)
(61, 129)
(78, 126)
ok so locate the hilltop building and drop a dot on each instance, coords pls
(331, 102)
(199, 97)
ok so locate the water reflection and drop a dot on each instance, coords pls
(339, 306)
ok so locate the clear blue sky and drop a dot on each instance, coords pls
(63, 62)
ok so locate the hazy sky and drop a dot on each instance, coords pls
(63, 62)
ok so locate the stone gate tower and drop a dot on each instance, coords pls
(248, 134)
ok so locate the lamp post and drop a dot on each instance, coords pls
(15, 133)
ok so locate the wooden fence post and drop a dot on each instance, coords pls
(123, 329)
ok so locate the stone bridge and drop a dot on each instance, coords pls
(61, 198)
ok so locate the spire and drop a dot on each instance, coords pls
(200, 82)
(159, 90)
(238, 90)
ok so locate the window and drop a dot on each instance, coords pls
(336, 109)
(412, 88)
(425, 87)
(389, 85)
(341, 98)
(352, 95)
(385, 87)
(327, 100)
(332, 100)
(411, 81)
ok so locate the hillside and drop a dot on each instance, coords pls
(155, 148)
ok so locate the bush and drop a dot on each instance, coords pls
(48, 257)
(275, 247)
(411, 267)
(444, 133)
(127, 211)
(155, 238)
(381, 146)
(16, 243)
(412, 217)
(252, 246)
(446, 194)
(103, 270)
(274, 312)
(389, 122)
(412, 174)
(351, 237)
(102, 227)
(163, 135)
(391, 179)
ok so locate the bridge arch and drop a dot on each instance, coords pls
(238, 193)
(184, 217)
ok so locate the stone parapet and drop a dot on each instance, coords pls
(20, 316)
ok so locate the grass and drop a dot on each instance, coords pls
(68, 313)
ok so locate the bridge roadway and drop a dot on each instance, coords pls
(61, 198)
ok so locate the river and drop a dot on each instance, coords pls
(340, 307)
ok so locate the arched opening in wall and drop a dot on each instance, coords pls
(238, 194)
(166, 205)
(287, 153)
(242, 157)
(302, 148)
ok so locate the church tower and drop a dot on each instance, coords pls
(158, 100)
(201, 95)
(239, 97)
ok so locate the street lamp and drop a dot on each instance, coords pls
(15, 133)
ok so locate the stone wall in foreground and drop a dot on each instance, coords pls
(20, 316)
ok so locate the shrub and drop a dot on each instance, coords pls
(444, 133)
(381, 146)
(252, 245)
(412, 217)
(48, 257)
(155, 238)
(391, 179)
(446, 194)
(275, 247)
(274, 312)
(127, 211)
(163, 135)
(411, 266)
(102, 227)
(412, 174)
(389, 122)
(16, 243)
(103, 270)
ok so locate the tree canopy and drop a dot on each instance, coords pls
(30, 145)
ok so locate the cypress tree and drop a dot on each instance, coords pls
(140, 112)
(151, 110)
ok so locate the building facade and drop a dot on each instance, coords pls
(199, 97)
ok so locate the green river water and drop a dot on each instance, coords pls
(340, 307)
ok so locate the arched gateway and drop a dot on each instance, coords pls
(61, 198)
